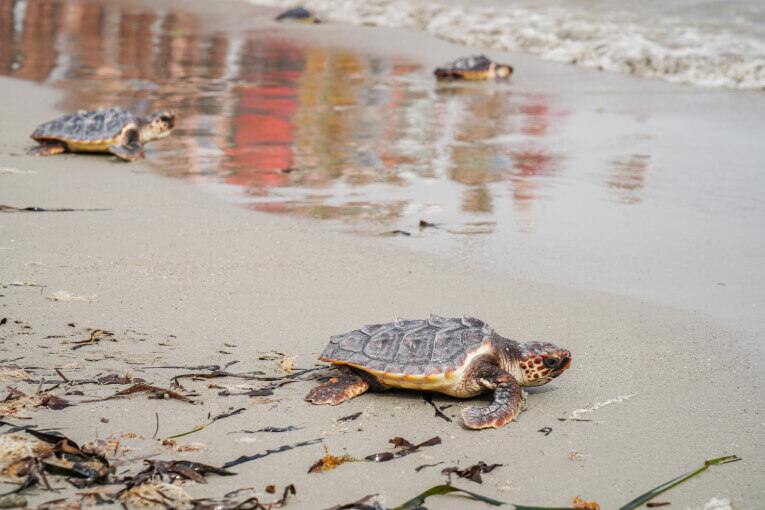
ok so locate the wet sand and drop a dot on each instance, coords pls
(185, 280)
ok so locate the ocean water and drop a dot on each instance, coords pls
(710, 43)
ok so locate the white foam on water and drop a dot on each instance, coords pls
(677, 49)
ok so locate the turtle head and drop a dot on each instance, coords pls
(541, 362)
(159, 125)
(503, 71)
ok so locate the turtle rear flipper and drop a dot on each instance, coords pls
(507, 397)
(129, 152)
(47, 148)
(349, 383)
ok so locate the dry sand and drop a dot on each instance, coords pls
(182, 279)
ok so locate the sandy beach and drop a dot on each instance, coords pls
(184, 279)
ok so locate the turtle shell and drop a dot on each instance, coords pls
(296, 13)
(410, 347)
(93, 126)
(471, 64)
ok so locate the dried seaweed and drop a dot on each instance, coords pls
(424, 224)
(350, 417)
(329, 462)
(143, 387)
(219, 417)
(13, 501)
(283, 448)
(170, 471)
(360, 504)
(472, 473)
(118, 379)
(275, 429)
(260, 393)
(293, 375)
(419, 500)
(153, 494)
(248, 504)
(35, 458)
(396, 233)
(420, 468)
(427, 398)
(17, 400)
(28, 483)
(579, 503)
(212, 368)
(545, 430)
(95, 336)
(524, 507)
(212, 375)
(10, 209)
(406, 449)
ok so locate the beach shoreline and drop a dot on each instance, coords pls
(184, 280)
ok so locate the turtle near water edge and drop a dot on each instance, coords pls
(299, 14)
(114, 130)
(458, 357)
(475, 67)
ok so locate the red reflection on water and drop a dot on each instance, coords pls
(252, 104)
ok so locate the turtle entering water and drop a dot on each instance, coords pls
(458, 357)
(114, 130)
(299, 14)
(475, 67)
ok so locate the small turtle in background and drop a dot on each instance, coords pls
(475, 67)
(298, 14)
(114, 130)
(458, 357)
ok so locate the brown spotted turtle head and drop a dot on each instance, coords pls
(157, 125)
(541, 362)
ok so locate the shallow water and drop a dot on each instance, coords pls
(710, 43)
(563, 176)
(297, 127)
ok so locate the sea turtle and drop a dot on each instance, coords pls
(475, 67)
(458, 357)
(298, 14)
(114, 130)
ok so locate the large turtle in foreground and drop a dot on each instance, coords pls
(458, 357)
(114, 130)
(475, 67)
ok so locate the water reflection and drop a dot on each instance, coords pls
(628, 177)
(297, 128)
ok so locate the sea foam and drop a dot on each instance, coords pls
(669, 48)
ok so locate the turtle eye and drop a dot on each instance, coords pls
(550, 362)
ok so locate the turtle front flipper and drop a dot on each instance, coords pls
(129, 152)
(347, 384)
(47, 148)
(507, 401)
